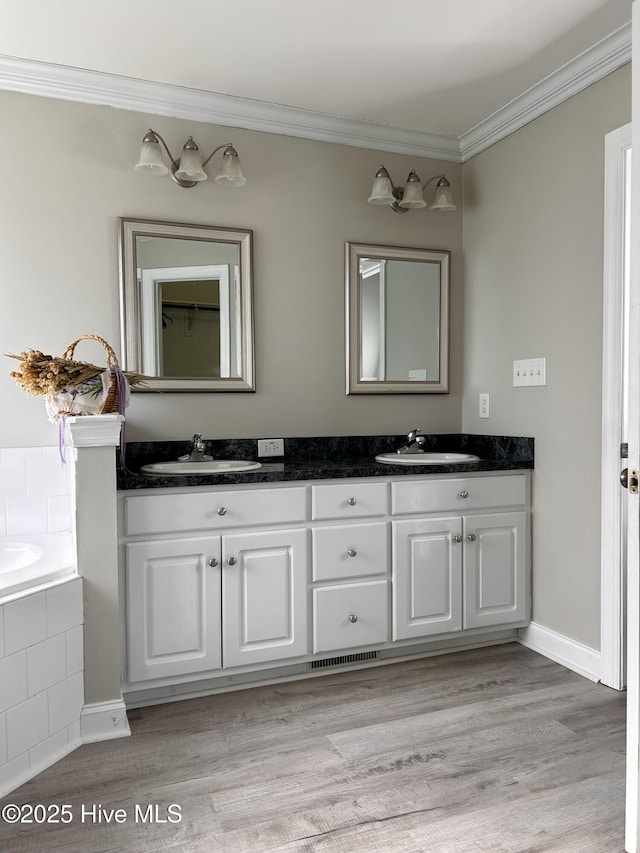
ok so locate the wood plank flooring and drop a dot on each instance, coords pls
(487, 751)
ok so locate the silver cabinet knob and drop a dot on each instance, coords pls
(352, 552)
(457, 538)
(464, 494)
(213, 562)
(352, 501)
(352, 618)
(471, 537)
(222, 510)
(232, 561)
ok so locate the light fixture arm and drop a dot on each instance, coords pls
(219, 148)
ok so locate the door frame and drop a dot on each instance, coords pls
(616, 215)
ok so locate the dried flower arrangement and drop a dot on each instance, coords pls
(75, 387)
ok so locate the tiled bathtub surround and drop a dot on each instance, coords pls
(35, 491)
(41, 680)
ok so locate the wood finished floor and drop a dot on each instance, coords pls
(495, 750)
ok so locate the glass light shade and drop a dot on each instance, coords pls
(382, 188)
(443, 197)
(412, 194)
(190, 168)
(151, 159)
(230, 173)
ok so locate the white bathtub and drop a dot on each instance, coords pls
(30, 560)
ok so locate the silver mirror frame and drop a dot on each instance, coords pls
(353, 348)
(130, 320)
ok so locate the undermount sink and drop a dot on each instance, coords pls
(210, 466)
(427, 458)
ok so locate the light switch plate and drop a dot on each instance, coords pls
(530, 371)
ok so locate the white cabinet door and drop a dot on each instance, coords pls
(427, 577)
(173, 607)
(495, 573)
(264, 595)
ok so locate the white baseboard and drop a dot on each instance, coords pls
(563, 650)
(104, 721)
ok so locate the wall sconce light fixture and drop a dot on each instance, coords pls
(189, 170)
(402, 199)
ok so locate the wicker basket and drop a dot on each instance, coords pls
(111, 402)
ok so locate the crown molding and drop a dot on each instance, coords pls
(592, 65)
(92, 87)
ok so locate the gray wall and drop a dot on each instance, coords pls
(303, 200)
(533, 244)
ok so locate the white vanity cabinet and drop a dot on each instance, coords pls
(466, 567)
(236, 584)
(195, 605)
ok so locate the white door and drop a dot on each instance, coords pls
(632, 835)
(173, 607)
(495, 569)
(427, 577)
(615, 362)
(264, 596)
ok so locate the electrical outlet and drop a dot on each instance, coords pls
(271, 447)
(483, 405)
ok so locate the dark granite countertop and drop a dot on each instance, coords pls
(324, 458)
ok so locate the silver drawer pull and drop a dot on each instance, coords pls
(353, 618)
(222, 510)
(464, 494)
(471, 537)
(352, 552)
(352, 501)
(457, 538)
(213, 562)
(232, 561)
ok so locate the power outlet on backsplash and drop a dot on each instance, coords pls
(271, 447)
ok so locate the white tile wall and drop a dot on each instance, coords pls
(41, 680)
(35, 491)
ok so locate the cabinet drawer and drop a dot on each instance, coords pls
(349, 551)
(458, 495)
(350, 615)
(217, 510)
(348, 500)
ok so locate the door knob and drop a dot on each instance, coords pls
(471, 537)
(213, 562)
(352, 552)
(352, 501)
(222, 510)
(232, 561)
(457, 538)
(352, 618)
(630, 479)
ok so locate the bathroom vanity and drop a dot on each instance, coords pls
(251, 581)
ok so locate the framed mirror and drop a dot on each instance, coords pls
(397, 320)
(186, 306)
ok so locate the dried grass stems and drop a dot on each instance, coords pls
(47, 374)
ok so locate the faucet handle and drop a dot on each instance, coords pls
(413, 433)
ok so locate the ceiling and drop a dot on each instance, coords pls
(430, 66)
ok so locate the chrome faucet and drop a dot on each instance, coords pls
(415, 442)
(196, 453)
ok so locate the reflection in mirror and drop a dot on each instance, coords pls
(397, 320)
(187, 306)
